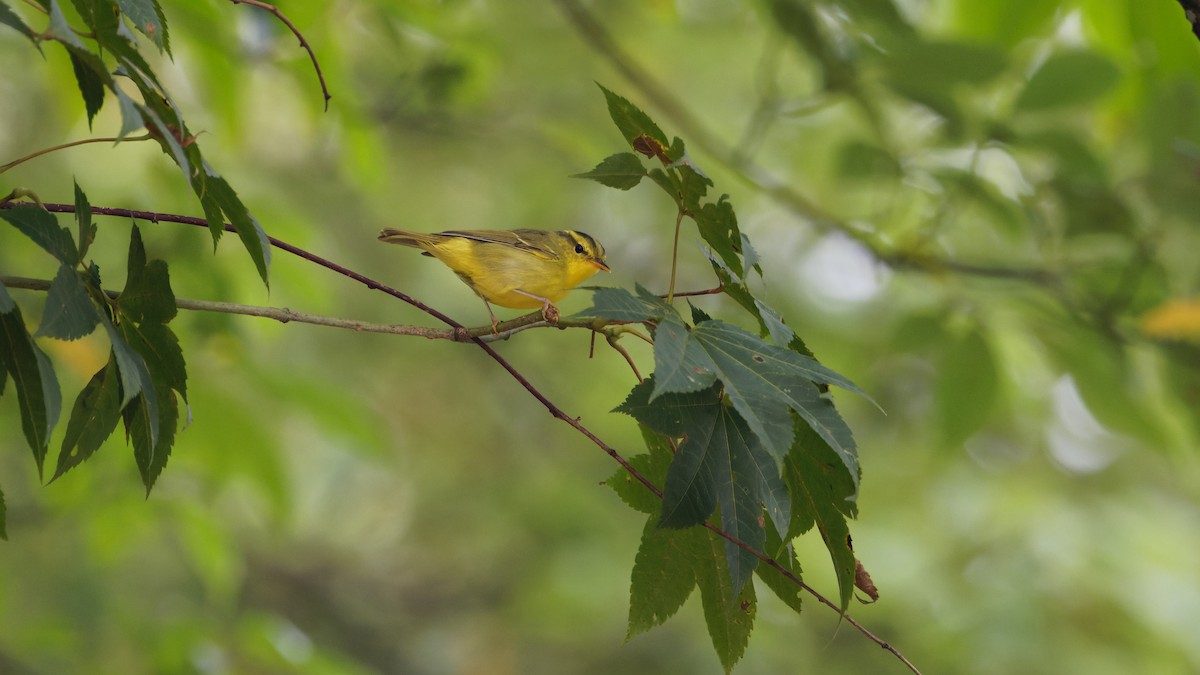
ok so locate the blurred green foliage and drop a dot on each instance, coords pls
(967, 206)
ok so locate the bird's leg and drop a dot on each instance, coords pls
(495, 321)
(549, 311)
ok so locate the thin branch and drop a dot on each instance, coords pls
(299, 36)
(533, 391)
(72, 144)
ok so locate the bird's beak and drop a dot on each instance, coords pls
(600, 264)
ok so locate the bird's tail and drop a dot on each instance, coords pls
(404, 237)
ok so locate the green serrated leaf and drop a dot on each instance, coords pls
(822, 495)
(83, 218)
(729, 615)
(621, 306)
(251, 233)
(1068, 78)
(151, 429)
(694, 185)
(147, 297)
(42, 227)
(94, 416)
(91, 84)
(159, 347)
(785, 588)
(636, 126)
(669, 182)
(680, 365)
(622, 171)
(147, 17)
(38, 395)
(70, 313)
(661, 580)
(718, 228)
(131, 115)
(12, 20)
(652, 465)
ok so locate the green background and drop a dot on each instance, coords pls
(348, 503)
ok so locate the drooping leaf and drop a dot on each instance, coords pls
(662, 579)
(70, 313)
(622, 171)
(652, 465)
(147, 17)
(147, 297)
(693, 185)
(1068, 78)
(12, 20)
(251, 233)
(83, 218)
(822, 495)
(159, 347)
(42, 227)
(151, 429)
(785, 588)
(94, 416)
(91, 86)
(720, 463)
(131, 115)
(38, 395)
(719, 229)
(728, 614)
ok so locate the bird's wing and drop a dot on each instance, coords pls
(518, 239)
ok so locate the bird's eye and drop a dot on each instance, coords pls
(579, 248)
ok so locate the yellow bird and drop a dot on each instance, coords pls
(521, 269)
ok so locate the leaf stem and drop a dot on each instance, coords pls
(72, 144)
(674, 255)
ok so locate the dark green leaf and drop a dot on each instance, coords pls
(661, 579)
(621, 306)
(38, 395)
(636, 126)
(680, 365)
(83, 218)
(762, 381)
(729, 615)
(693, 183)
(129, 363)
(1068, 78)
(822, 495)
(652, 465)
(151, 428)
(147, 17)
(70, 313)
(252, 235)
(40, 226)
(719, 229)
(785, 588)
(159, 347)
(669, 182)
(93, 418)
(967, 387)
(12, 20)
(622, 171)
(147, 297)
